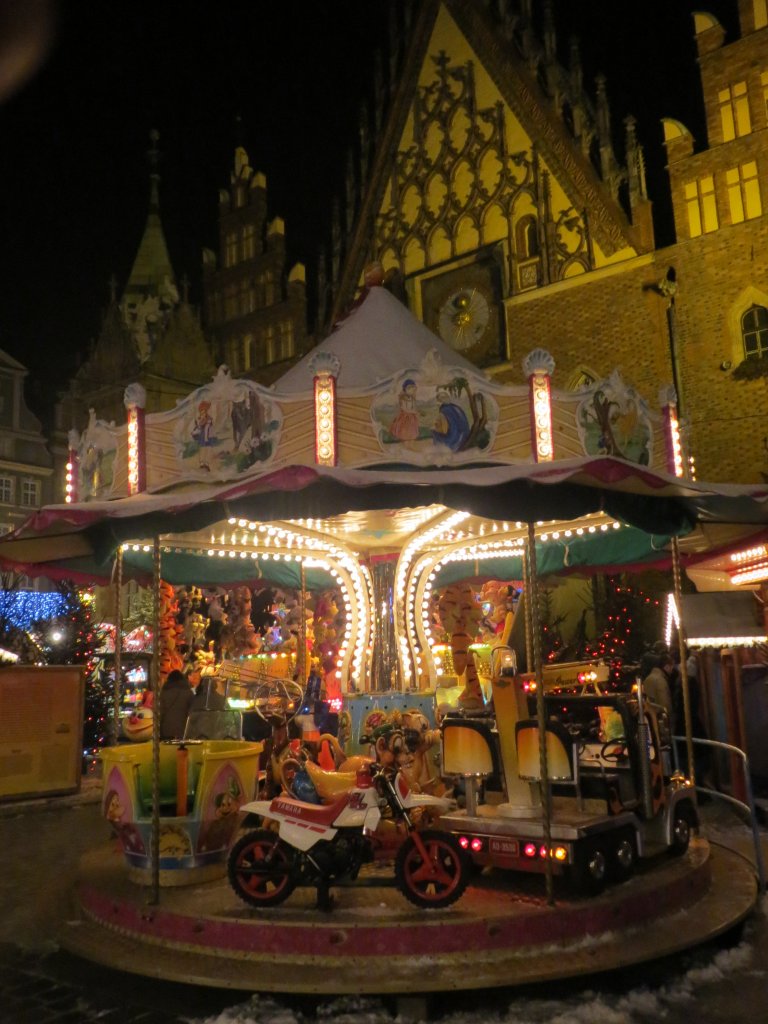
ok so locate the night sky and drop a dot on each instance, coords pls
(74, 174)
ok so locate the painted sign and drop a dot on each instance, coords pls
(435, 415)
(226, 427)
(614, 420)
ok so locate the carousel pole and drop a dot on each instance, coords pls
(118, 661)
(155, 684)
(541, 715)
(683, 666)
(527, 611)
(301, 653)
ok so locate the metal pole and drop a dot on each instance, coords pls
(541, 715)
(527, 611)
(155, 685)
(683, 666)
(302, 667)
(118, 658)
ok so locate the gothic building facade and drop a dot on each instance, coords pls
(497, 202)
(255, 309)
(487, 184)
(26, 465)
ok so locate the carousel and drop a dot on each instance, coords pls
(404, 507)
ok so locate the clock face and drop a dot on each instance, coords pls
(463, 318)
(462, 305)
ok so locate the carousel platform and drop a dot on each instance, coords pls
(501, 933)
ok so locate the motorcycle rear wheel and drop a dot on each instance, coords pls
(260, 869)
(437, 883)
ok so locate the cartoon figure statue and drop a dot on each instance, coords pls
(460, 613)
(405, 426)
(451, 426)
(202, 432)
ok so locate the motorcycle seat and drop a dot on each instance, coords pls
(314, 814)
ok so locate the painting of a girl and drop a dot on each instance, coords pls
(202, 432)
(405, 426)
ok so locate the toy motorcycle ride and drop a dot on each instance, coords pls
(321, 845)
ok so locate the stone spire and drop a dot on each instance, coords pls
(151, 289)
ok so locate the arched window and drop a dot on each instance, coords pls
(248, 352)
(583, 377)
(754, 331)
(527, 238)
(249, 241)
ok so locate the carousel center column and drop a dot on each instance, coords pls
(385, 664)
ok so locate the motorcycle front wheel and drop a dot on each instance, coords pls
(437, 881)
(260, 869)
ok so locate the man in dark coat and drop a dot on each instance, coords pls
(175, 700)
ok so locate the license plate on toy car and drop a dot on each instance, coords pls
(505, 847)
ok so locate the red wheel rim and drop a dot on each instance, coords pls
(437, 877)
(260, 879)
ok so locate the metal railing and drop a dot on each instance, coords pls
(749, 807)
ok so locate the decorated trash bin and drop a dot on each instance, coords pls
(202, 785)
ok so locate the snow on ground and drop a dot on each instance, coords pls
(676, 1000)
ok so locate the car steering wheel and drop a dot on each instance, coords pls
(614, 750)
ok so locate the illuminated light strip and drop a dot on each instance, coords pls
(538, 367)
(70, 487)
(425, 573)
(754, 575)
(70, 484)
(136, 447)
(325, 420)
(341, 565)
(750, 554)
(675, 462)
(406, 630)
(672, 619)
(541, 417)
(358, 621)
(726, 641)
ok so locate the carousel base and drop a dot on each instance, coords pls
(501, 933)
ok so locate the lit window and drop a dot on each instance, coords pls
(269, 344)
(267, 288)
(249, 239)
(247, 352)
(6, 489)
(244, 293)
(230, 250)
(230, 302)
(700, 205)
(734, 111)
(286, 340)
(233, 355)
(743, 192)
(754, 331)
(30, 493)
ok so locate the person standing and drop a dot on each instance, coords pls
(175, 701)
(657, 689)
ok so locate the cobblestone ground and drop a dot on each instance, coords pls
(55, 988)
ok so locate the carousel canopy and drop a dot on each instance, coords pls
(357, 445)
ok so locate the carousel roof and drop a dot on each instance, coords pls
(378, 338)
